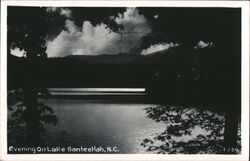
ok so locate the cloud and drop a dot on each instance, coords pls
(62, 11)
(158, 47)
(133, 21)
(52, 9)
(202, 44)
(97, 39)
(66, 12)
(17, 52)
(156, 16)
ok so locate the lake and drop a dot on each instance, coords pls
(101, 123)
(124, 119)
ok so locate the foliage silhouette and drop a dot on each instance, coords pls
(19, 116)
(27, 30)
(209, 75)
(181, 134)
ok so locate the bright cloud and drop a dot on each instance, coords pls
(158, 47)
(17, 52)
(97, 39)
(202, 44)
(156, 16)
(62, 11)
(66, 12)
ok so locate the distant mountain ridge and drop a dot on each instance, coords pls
(120, 58)
(174, 66)
(123, 69)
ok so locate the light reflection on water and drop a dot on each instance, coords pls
(128, 125)
(95, 123)
(98, 89)
(132, 127)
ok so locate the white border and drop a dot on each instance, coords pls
(245, 80)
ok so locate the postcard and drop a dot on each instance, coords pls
(124, 80)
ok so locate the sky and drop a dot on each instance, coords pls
(90, 39)
(84, 31)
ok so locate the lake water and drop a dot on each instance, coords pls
(101, 123)
(124, 119)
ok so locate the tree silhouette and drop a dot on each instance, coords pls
(20, 117)
(209, 76)
(181, 134)
(113, 26)
(27, 30)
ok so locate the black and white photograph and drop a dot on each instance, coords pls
(124, 80)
